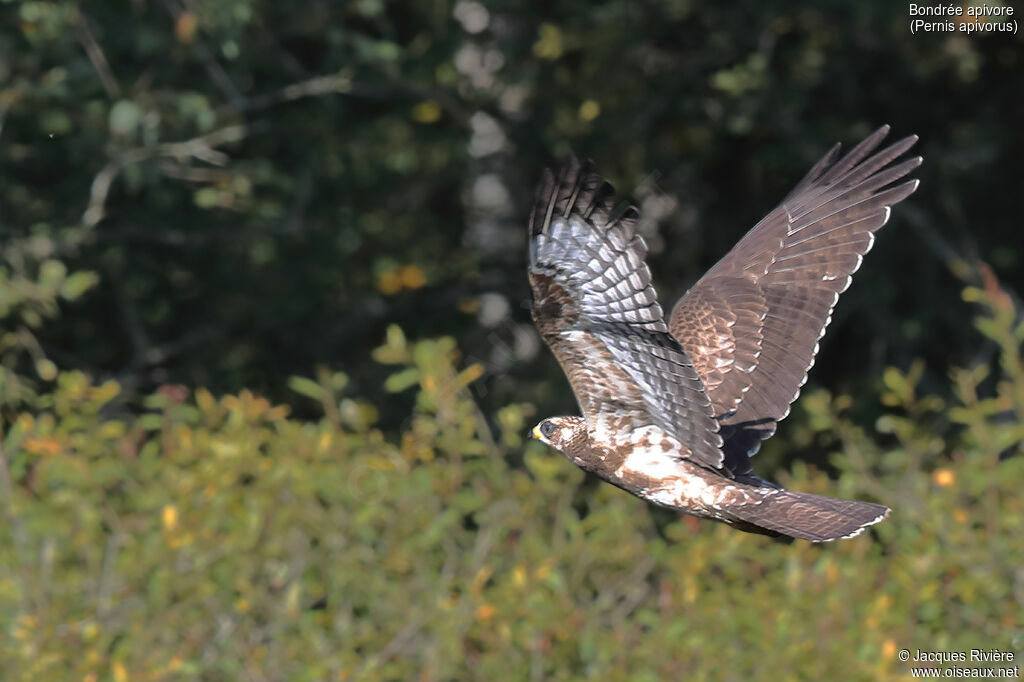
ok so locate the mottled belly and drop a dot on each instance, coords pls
(667, 480)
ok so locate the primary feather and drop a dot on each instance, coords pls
(673, 410)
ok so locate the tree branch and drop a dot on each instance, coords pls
(316, 86)
(95, 53)
(201, 147)
(213, 68)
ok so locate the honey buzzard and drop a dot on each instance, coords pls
(674, 409)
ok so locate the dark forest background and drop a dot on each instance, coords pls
(286, 242)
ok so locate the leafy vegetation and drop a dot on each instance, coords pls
(218, 538)
(263, 187)
(212, 467)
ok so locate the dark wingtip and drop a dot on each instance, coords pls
(542, 198)
(553, 191)
(578, 189)
(571, 167)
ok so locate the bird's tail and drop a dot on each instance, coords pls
(806, 516)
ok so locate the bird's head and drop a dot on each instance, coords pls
(564, 434)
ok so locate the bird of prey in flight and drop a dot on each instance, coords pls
(673, 409)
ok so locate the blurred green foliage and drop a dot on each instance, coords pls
(25, 304)
(241, 198)
(218, 538)
(264, 187)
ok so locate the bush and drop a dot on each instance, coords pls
(217, 538)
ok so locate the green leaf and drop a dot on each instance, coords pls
(77, 284)
(206, 197)
(400, 381)
(55, 123)
(124, 117)
(46, 370)
(51, 272)
(306, 387)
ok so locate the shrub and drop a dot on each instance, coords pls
(218, 538)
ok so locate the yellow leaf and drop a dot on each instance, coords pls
(412, 277)
(185, 437)
(426, 112)
(519, 576)
(119, 672)
(470, 374)
(169, 516)
(185, 27)
(944, 478)
(389, 282)
(469, 306)
(549, 43)
(25, 421)
(589, 110)
(205, 400)
(276, 414)
(42, 446)
(111, 430)
(107, 391)
(90, 631)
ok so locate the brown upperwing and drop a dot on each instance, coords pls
(751, 325)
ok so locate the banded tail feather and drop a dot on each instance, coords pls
(807, 516)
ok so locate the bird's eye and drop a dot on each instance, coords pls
(548, 429)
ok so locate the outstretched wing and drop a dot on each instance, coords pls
(594, 304)
(752, 323)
